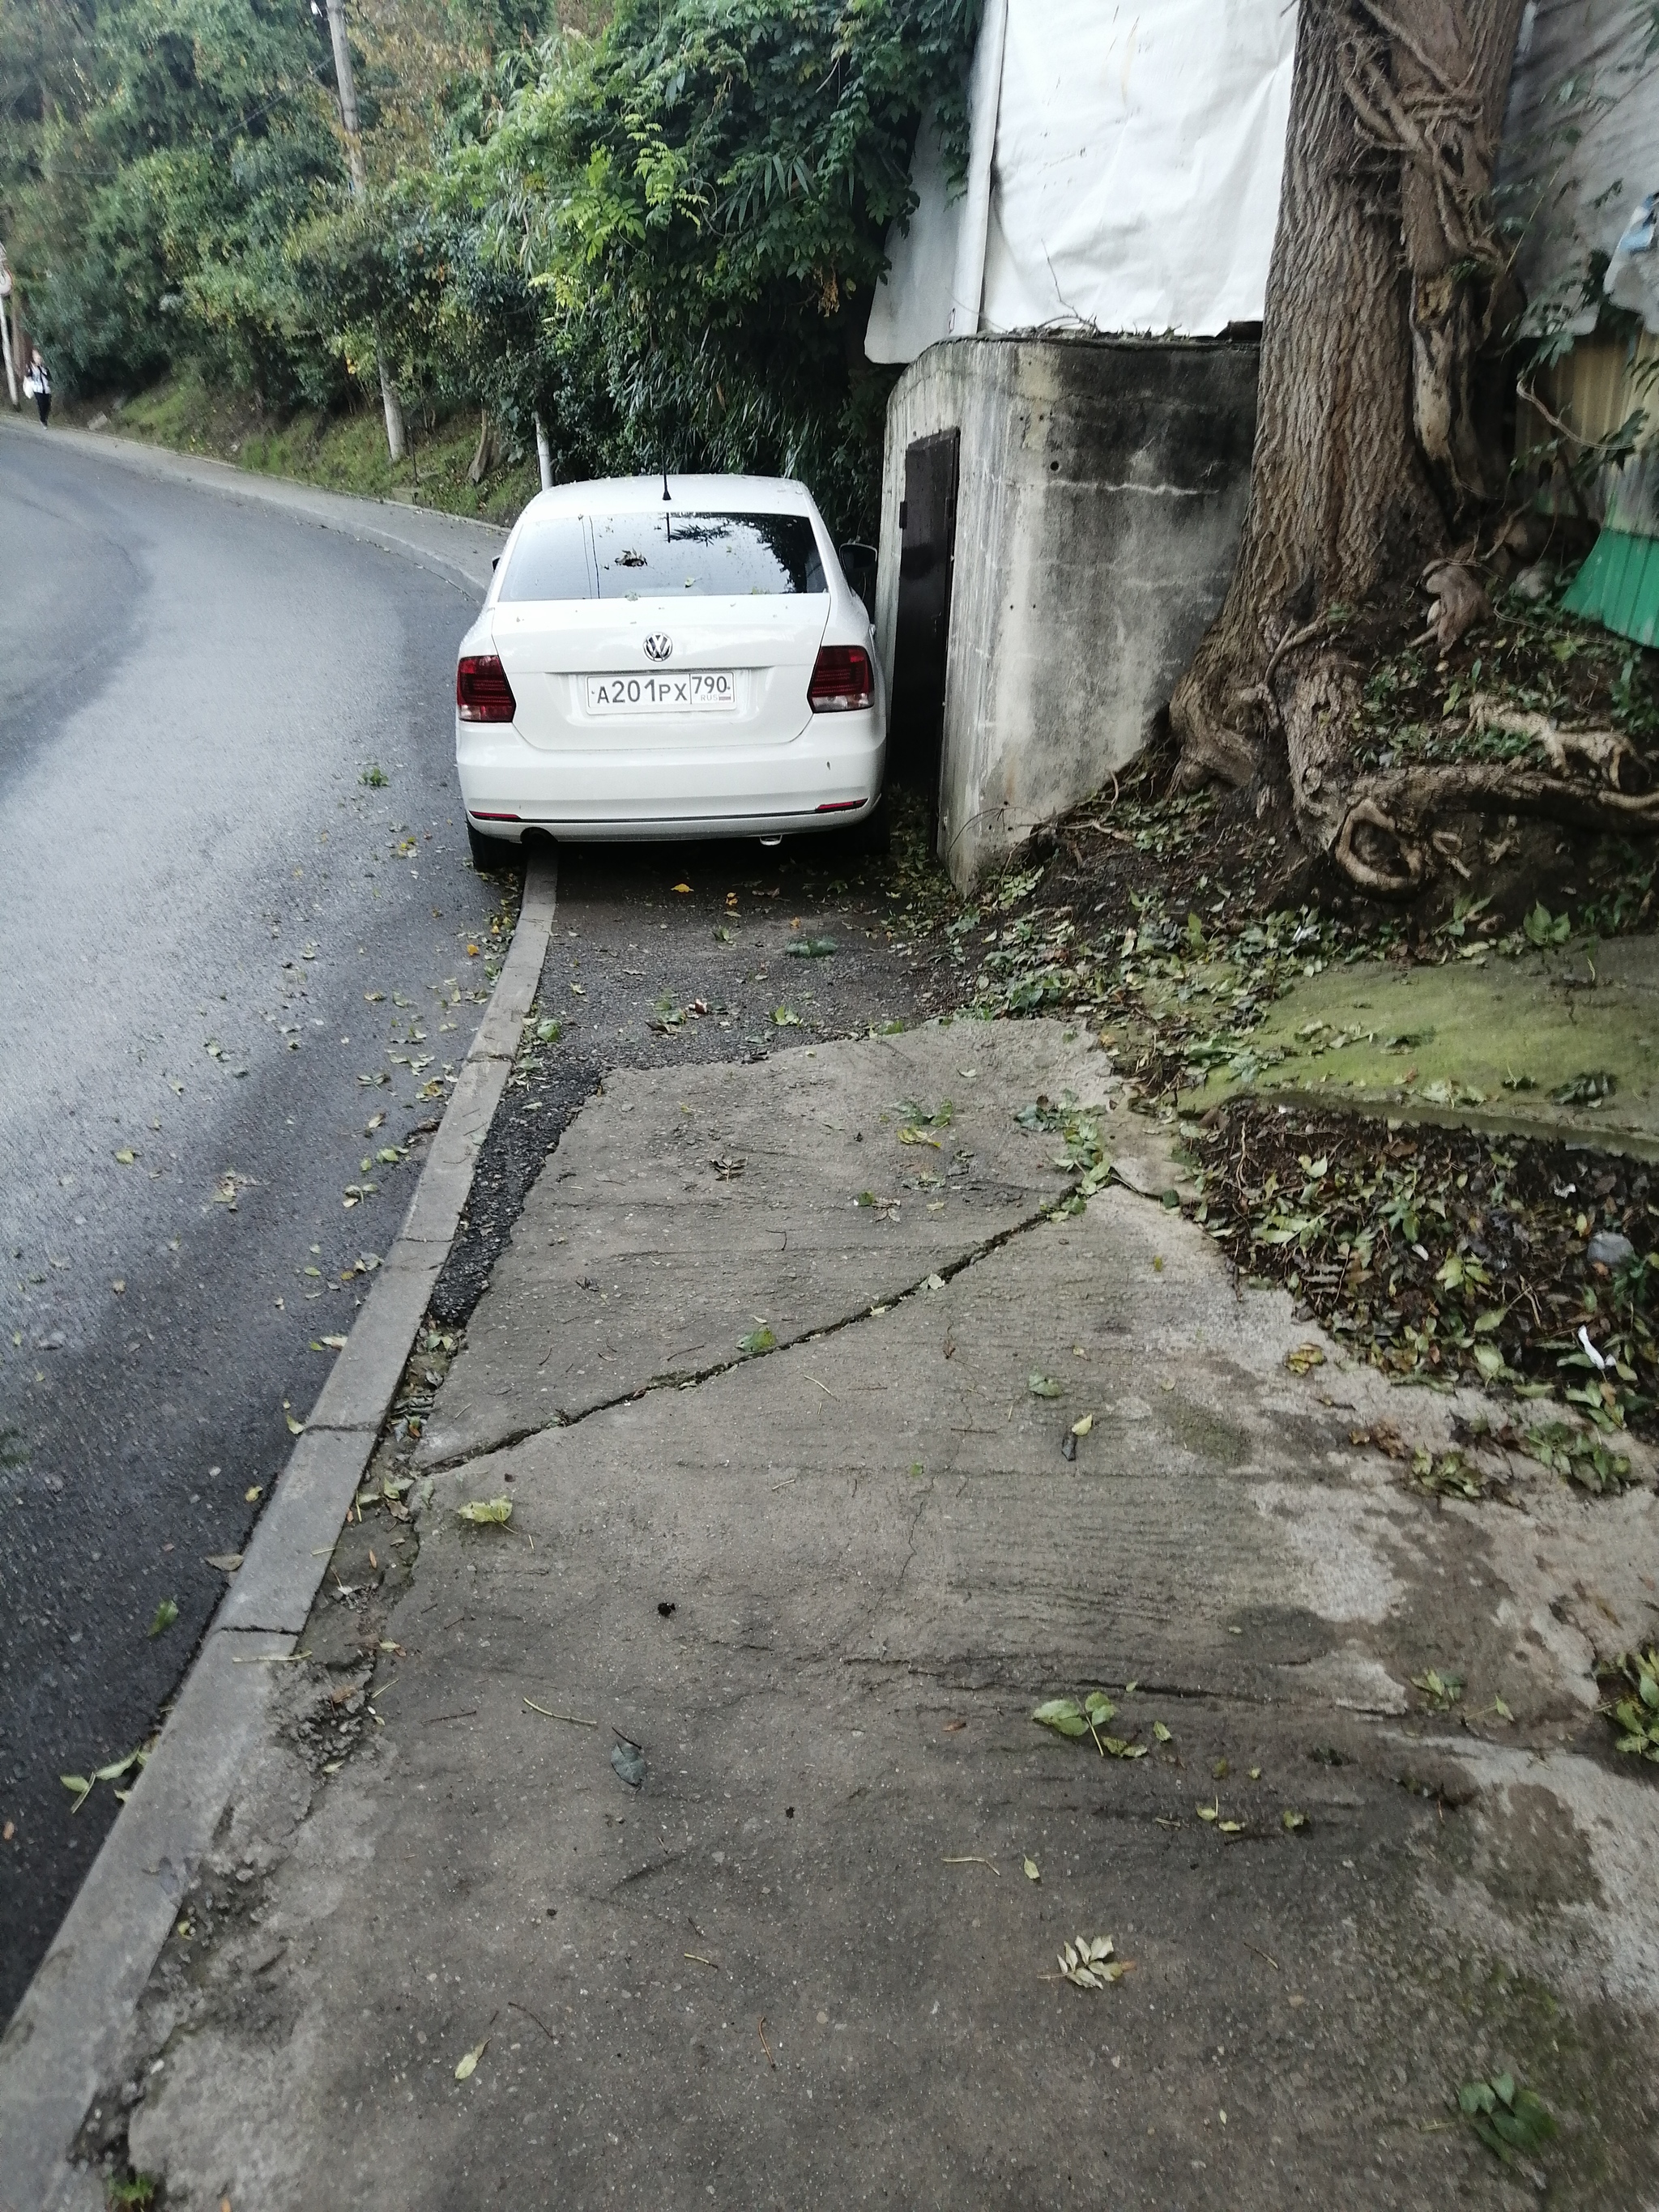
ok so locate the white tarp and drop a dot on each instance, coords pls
(1133, 184)
(1581, 152)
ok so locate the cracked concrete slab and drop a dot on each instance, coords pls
(677, 1217)
(824, 1589)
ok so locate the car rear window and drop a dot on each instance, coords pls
(728, 554)
(551, 561)
(666, 555)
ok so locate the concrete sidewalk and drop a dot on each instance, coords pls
(823, 1581)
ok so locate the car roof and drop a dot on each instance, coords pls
(636, 495)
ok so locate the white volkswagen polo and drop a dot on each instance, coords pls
(668, 657)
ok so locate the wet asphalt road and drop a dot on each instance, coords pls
(197, 892)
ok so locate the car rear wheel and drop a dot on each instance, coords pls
(490, 854)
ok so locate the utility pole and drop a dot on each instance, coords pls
(395, 439)
(5, 328)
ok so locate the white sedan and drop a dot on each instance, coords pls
(668, 657)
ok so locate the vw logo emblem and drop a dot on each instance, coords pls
(657, 647)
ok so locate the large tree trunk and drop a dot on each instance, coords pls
(1381, 293)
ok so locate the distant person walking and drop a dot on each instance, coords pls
(38, 383)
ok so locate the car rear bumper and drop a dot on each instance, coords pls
(826, 778)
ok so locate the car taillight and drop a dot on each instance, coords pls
(483, 693)
(842, 680)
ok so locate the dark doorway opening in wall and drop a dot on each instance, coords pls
(927, 543)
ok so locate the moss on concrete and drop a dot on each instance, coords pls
(1485, 1043)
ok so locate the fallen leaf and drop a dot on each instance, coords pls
(1442, 1691)
(1163, 1735)
(811, 948)
(1064, 1714)
(80, 1785)
(126, 1156)
(1304, 1359)
(1089, 1964)
(785, 1017)
(165, 1613)
(1041, 1386)
(682, 888)
(1082, 1428)
(1291, 1820)
(226, 1562)
(758, 1340)
(1115, 1747)
(466, 2066)
(1033, 1873)
(1386, 1438)
(1210, 1812)
(628, 1760)
(492, 1512)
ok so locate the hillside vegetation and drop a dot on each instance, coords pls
(656, 226)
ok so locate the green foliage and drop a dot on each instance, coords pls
(136, 2192)
(698, 199)
(662, 239)
(163, 150)
(1634, 1703)
(1512, 2122)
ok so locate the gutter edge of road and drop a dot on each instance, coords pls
(66, 2034)
(290, 496)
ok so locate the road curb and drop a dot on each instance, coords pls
(415, 532)
(66, 2034)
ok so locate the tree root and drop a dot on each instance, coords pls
(1460, 602)
(1608, 750)
(1394, 805)
(1210, 752)
(1365, 813)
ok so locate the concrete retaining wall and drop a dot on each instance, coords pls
(1102, 492)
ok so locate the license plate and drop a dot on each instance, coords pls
(692, 691)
